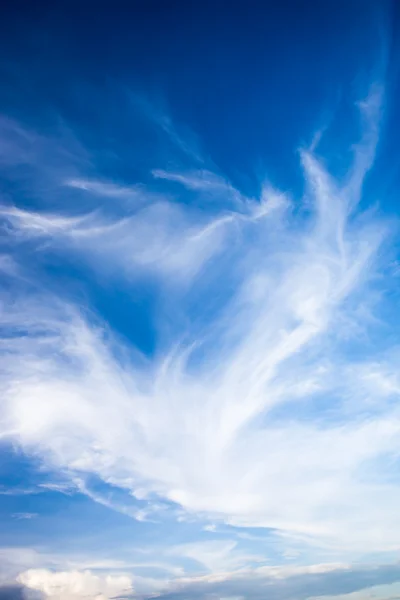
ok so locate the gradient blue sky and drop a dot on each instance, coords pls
(199, 301)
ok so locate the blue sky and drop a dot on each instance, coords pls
(199, 297)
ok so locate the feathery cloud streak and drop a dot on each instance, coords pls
(255, 408)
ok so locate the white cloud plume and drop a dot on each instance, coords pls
(215, 424)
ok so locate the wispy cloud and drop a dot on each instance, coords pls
(214, 422)
(206, 182)
(102, 188)
(182, 141)
(215, 556)
(160, 238)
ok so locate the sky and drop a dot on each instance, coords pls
(200, 281)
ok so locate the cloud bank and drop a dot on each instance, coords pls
(281, 583)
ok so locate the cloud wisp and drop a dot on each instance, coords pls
(255, 408)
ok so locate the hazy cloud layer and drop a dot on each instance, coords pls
(318, 581)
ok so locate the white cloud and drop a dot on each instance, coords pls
(214, 556)
(35, 224)
(103, 188)
(159, 238)
(310, 582)
(74, 585)
(204, 181)
(215, 423)
(16, 560)
(328, 581)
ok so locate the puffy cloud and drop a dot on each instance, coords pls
(74, 585)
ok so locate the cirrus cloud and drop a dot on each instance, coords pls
(255, 408)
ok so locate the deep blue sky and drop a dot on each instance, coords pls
(250, 79)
